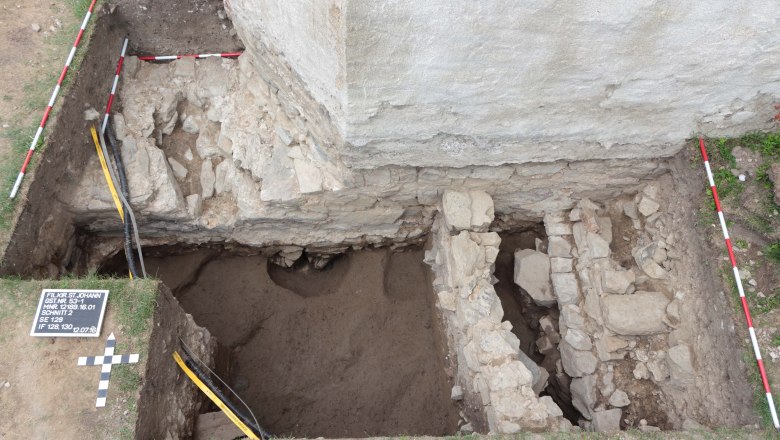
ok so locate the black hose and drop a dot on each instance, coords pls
(210, 384)
(112, 143)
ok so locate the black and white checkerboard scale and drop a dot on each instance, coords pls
(106, 361)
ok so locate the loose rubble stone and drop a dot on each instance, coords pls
(619, 399)
(617, 281)
(457, 393)
(607, 421)
(648, 206)
(605, 228)
(680, 364)
(532, 273)
(565, 288)
(207, 179)
(578, 339)
(641, 371)
(630, 210)
(552, 408)
(547, 325)
(576, 363)
(35, 27)
(583, 394)
(658, 369)
(597, 246)
(641, 313)
(91, 114)
(191, 125)
(558, 247)
(607, 347)
(178, 169)
(645, 257)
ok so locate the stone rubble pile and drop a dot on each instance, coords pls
(493, 375)
(611, 317)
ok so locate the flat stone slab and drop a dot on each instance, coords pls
(634, 315)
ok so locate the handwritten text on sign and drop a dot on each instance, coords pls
(70, 313)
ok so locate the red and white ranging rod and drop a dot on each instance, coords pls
(53, 98)
(741, 290)
(113, 86)
(200, 55)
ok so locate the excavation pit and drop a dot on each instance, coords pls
(353, 350)
(525, 315)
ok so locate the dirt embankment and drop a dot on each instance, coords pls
(43, 242)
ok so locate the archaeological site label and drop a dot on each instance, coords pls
(70, 313)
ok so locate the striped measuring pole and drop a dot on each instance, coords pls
(113, 86)
(745, 307)
(53, 98)
(200, 55)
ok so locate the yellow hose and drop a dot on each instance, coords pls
(109, 180)
(107, 175)
(230, 414)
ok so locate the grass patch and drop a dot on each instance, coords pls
(759, 397)
(772, 252)
(37, 91)
(768, 144)
(132, 305)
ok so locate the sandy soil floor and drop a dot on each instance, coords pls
(350, 351)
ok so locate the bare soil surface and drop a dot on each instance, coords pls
(176, 27)
(44, 394)
(350, 351)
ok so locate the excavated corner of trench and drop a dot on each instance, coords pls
(368, 341)
(351, 350)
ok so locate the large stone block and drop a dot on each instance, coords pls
(532, 273)
(634, 315)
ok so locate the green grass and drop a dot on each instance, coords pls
(724, 150)
(772, 252)
(768, 144)
(759, 397)
(132, 304)
(36, 95)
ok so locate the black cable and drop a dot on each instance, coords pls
(210, 384)
(112, 143)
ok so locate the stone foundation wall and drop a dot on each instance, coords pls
(212, 154)
(493, 374)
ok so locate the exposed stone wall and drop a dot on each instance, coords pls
(451, 84)
(492, 373)
(297, 49)
(628, 355)
(212, 154)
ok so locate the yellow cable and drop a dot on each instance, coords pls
(232, 416)
(109, 180)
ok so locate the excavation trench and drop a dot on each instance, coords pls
(356, 349)
(352, 350)
(525, 316)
